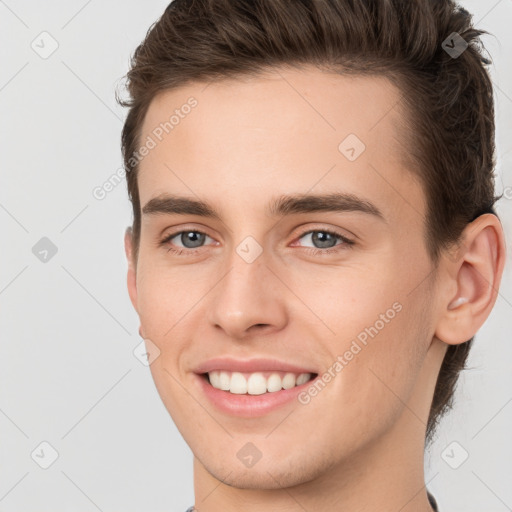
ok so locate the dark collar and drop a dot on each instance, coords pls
(432, 502)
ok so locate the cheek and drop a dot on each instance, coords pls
(382, 334)
(349, 299)
(157, 298)
(379, 379)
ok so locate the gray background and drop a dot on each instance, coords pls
(68, 331)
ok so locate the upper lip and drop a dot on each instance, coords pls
(249, 366)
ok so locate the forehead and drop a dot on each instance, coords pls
(288, 130)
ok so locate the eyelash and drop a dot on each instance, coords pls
(347, 243)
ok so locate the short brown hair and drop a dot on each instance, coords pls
(448, 99)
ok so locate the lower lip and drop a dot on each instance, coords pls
(249, 406)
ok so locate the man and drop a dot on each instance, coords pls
(314, 243)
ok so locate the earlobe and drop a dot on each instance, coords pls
(476, 276)
(131, 275)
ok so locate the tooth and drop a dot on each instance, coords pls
(302, 378)
(274, 383)
(257, 384)
(289, 381)
(214, 378)
(238, 384)
(224, 381)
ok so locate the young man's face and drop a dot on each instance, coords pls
(254, 287)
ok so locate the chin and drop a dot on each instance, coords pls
(262, 478)
(267, 473)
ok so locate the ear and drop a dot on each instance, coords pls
(475, 276)
(132, 274)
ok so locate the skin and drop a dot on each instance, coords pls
(358, 445)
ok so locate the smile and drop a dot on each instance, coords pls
(256, 383)
(269, 390)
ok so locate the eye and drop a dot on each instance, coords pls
(191, 240)
(324, 241)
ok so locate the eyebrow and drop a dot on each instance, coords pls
(283, 205)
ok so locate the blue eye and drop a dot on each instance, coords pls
(323, 239)
(193, 237)
(192, 241)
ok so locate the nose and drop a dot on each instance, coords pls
(249, 299)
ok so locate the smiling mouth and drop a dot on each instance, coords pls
(256, 383)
